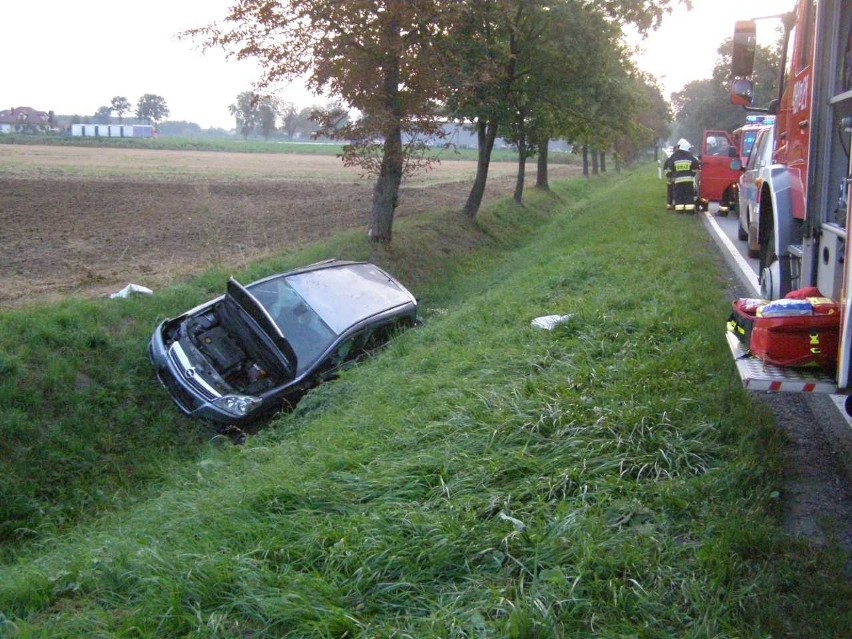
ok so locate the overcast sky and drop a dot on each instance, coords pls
(73, 56)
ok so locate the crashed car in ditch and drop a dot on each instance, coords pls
(261, 346)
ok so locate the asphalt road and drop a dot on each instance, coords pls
(724, 231)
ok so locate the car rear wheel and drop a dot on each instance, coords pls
(768, 285)
(774, 276)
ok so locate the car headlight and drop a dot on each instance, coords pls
(237, 405)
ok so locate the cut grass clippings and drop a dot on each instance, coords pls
(478, 478)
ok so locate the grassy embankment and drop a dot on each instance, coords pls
(477, 478)
(238, 145)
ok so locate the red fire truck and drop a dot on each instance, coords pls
(719, 181)
(804, 202)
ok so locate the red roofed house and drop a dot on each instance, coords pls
(23, 120)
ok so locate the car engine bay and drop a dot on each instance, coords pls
(222, 357)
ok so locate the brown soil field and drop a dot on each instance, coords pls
(88, 221)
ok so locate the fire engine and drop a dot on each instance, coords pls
(804, 202)
(719, 180)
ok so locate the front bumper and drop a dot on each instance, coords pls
(191, 394)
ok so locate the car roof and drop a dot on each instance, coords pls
(346, 293)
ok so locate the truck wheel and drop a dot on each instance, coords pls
(726, 204)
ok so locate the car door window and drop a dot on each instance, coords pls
(356, 348)
(756, 152)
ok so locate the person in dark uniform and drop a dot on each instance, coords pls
(680, 168)
(667, 171)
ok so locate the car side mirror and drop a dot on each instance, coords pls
(737, 165)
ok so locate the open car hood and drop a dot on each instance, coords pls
(257, 330)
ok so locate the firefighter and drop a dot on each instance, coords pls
(682, 167)
(667, 171)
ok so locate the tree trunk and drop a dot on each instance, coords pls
(541, 179)
(595, 167)
(603, 162)
(486, 133)
(522, 169)
(617, 163)
(386, 191)
(585, 160)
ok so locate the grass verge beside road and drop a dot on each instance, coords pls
(478, 478)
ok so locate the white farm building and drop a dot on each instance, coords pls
(112, 130)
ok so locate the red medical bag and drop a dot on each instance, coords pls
(802, 329)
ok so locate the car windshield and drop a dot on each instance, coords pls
(303, 328)
(348, 294)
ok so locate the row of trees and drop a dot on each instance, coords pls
(150, 107)
(528, 70)
(266, 114)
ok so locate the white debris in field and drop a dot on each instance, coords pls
(131, 289)
(517, 523)
(549, 322)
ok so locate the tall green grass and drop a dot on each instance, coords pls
(479, 478)
(85, 424)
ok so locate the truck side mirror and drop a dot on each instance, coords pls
(742, 92)
(745, 42)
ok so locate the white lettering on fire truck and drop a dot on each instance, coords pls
(800, 95)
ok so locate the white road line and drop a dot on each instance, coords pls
(750, 278)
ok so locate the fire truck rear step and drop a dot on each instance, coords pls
(758, 376)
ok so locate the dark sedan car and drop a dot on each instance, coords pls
(261, 346)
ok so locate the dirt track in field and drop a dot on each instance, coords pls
(80, 221)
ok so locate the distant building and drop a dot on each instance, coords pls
(463, 136)
(113, 130)
(24, 120)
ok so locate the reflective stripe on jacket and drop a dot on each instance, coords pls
(681, 166)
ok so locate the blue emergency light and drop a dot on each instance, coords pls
(760, 119)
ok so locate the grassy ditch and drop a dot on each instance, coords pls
(86, 427)
(478, 478)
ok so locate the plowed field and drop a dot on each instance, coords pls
(88, 221)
